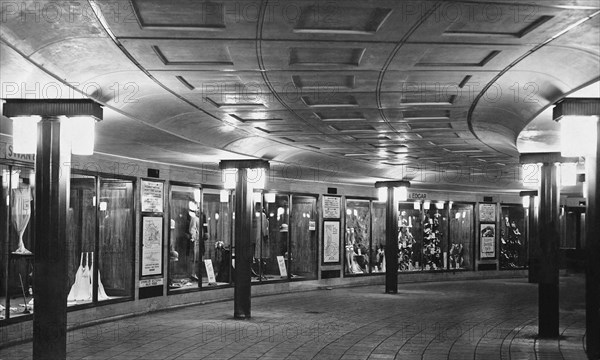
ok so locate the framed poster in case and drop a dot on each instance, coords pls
(487, 213)
(152, 195)
(331, 242)
(487, 244)
(152, 245)
(332, 207)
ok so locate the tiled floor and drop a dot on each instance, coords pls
(490, 319)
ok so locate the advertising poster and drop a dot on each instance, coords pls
(488, 241)
(331, 242)
(152, 236)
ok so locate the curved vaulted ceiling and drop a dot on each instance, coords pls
(368, 90)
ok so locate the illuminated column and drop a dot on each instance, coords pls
(579, 128)
(391, 192)
(250, 175)
(52, 176)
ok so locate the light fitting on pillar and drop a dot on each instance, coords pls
(402, 193)
(426, 204)
(568, 174)
(417, 205)
(270, 197)
(79, 117)
(400, 189)
(440, 205)
(229, 177)
(82, 135)
(224, 196)
(526, 196)
(257, 197)
(578, 119)
(197, 195)
(526, 199)
(578, 135)
(25, 134)
(382, 194)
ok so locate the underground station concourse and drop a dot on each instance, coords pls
(385, 170)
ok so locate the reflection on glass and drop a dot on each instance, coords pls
(218, 236)
(16, 241)
(378, 243)
(115, 276)
(461, 236)
(303, 242)
(358, 236)
(186, 240)
(409, 237)
(513, 247)
(81, 235)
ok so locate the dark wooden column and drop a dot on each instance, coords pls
(549, 232)
(243, 233)
(52, 176)
(592, 249)
(243, 253)
(391, 233)
(391, 243)
(50, 264)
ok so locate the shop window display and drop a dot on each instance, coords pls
(409, 237)
(17, 241)
(116, 245)
(187, 235)
(461, 236)
(218, 244)
(358, 237)
(434, 237)
(100, 267)
(378, 262)
(513, 247)
(303, 239)
(273, 237)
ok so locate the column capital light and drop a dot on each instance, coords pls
(528, 193)
(576, 107)
(244, 164)
(393, 183)
(545, 158)
(52, 107)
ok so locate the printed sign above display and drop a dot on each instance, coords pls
(331, 207)
(487, 213)
(152, 196)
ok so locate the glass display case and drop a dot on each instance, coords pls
(410, 236)
(275, 236)
(216, 210)
(302, 258)
(100, 239)
(435, 243)
(17, 241)
(378, 263)
(513, 241)
(358, 237)
(461, 237)
(187, 235)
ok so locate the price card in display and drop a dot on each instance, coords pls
(282, 269)
(210, 271)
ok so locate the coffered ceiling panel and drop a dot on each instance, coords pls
(364, 87)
